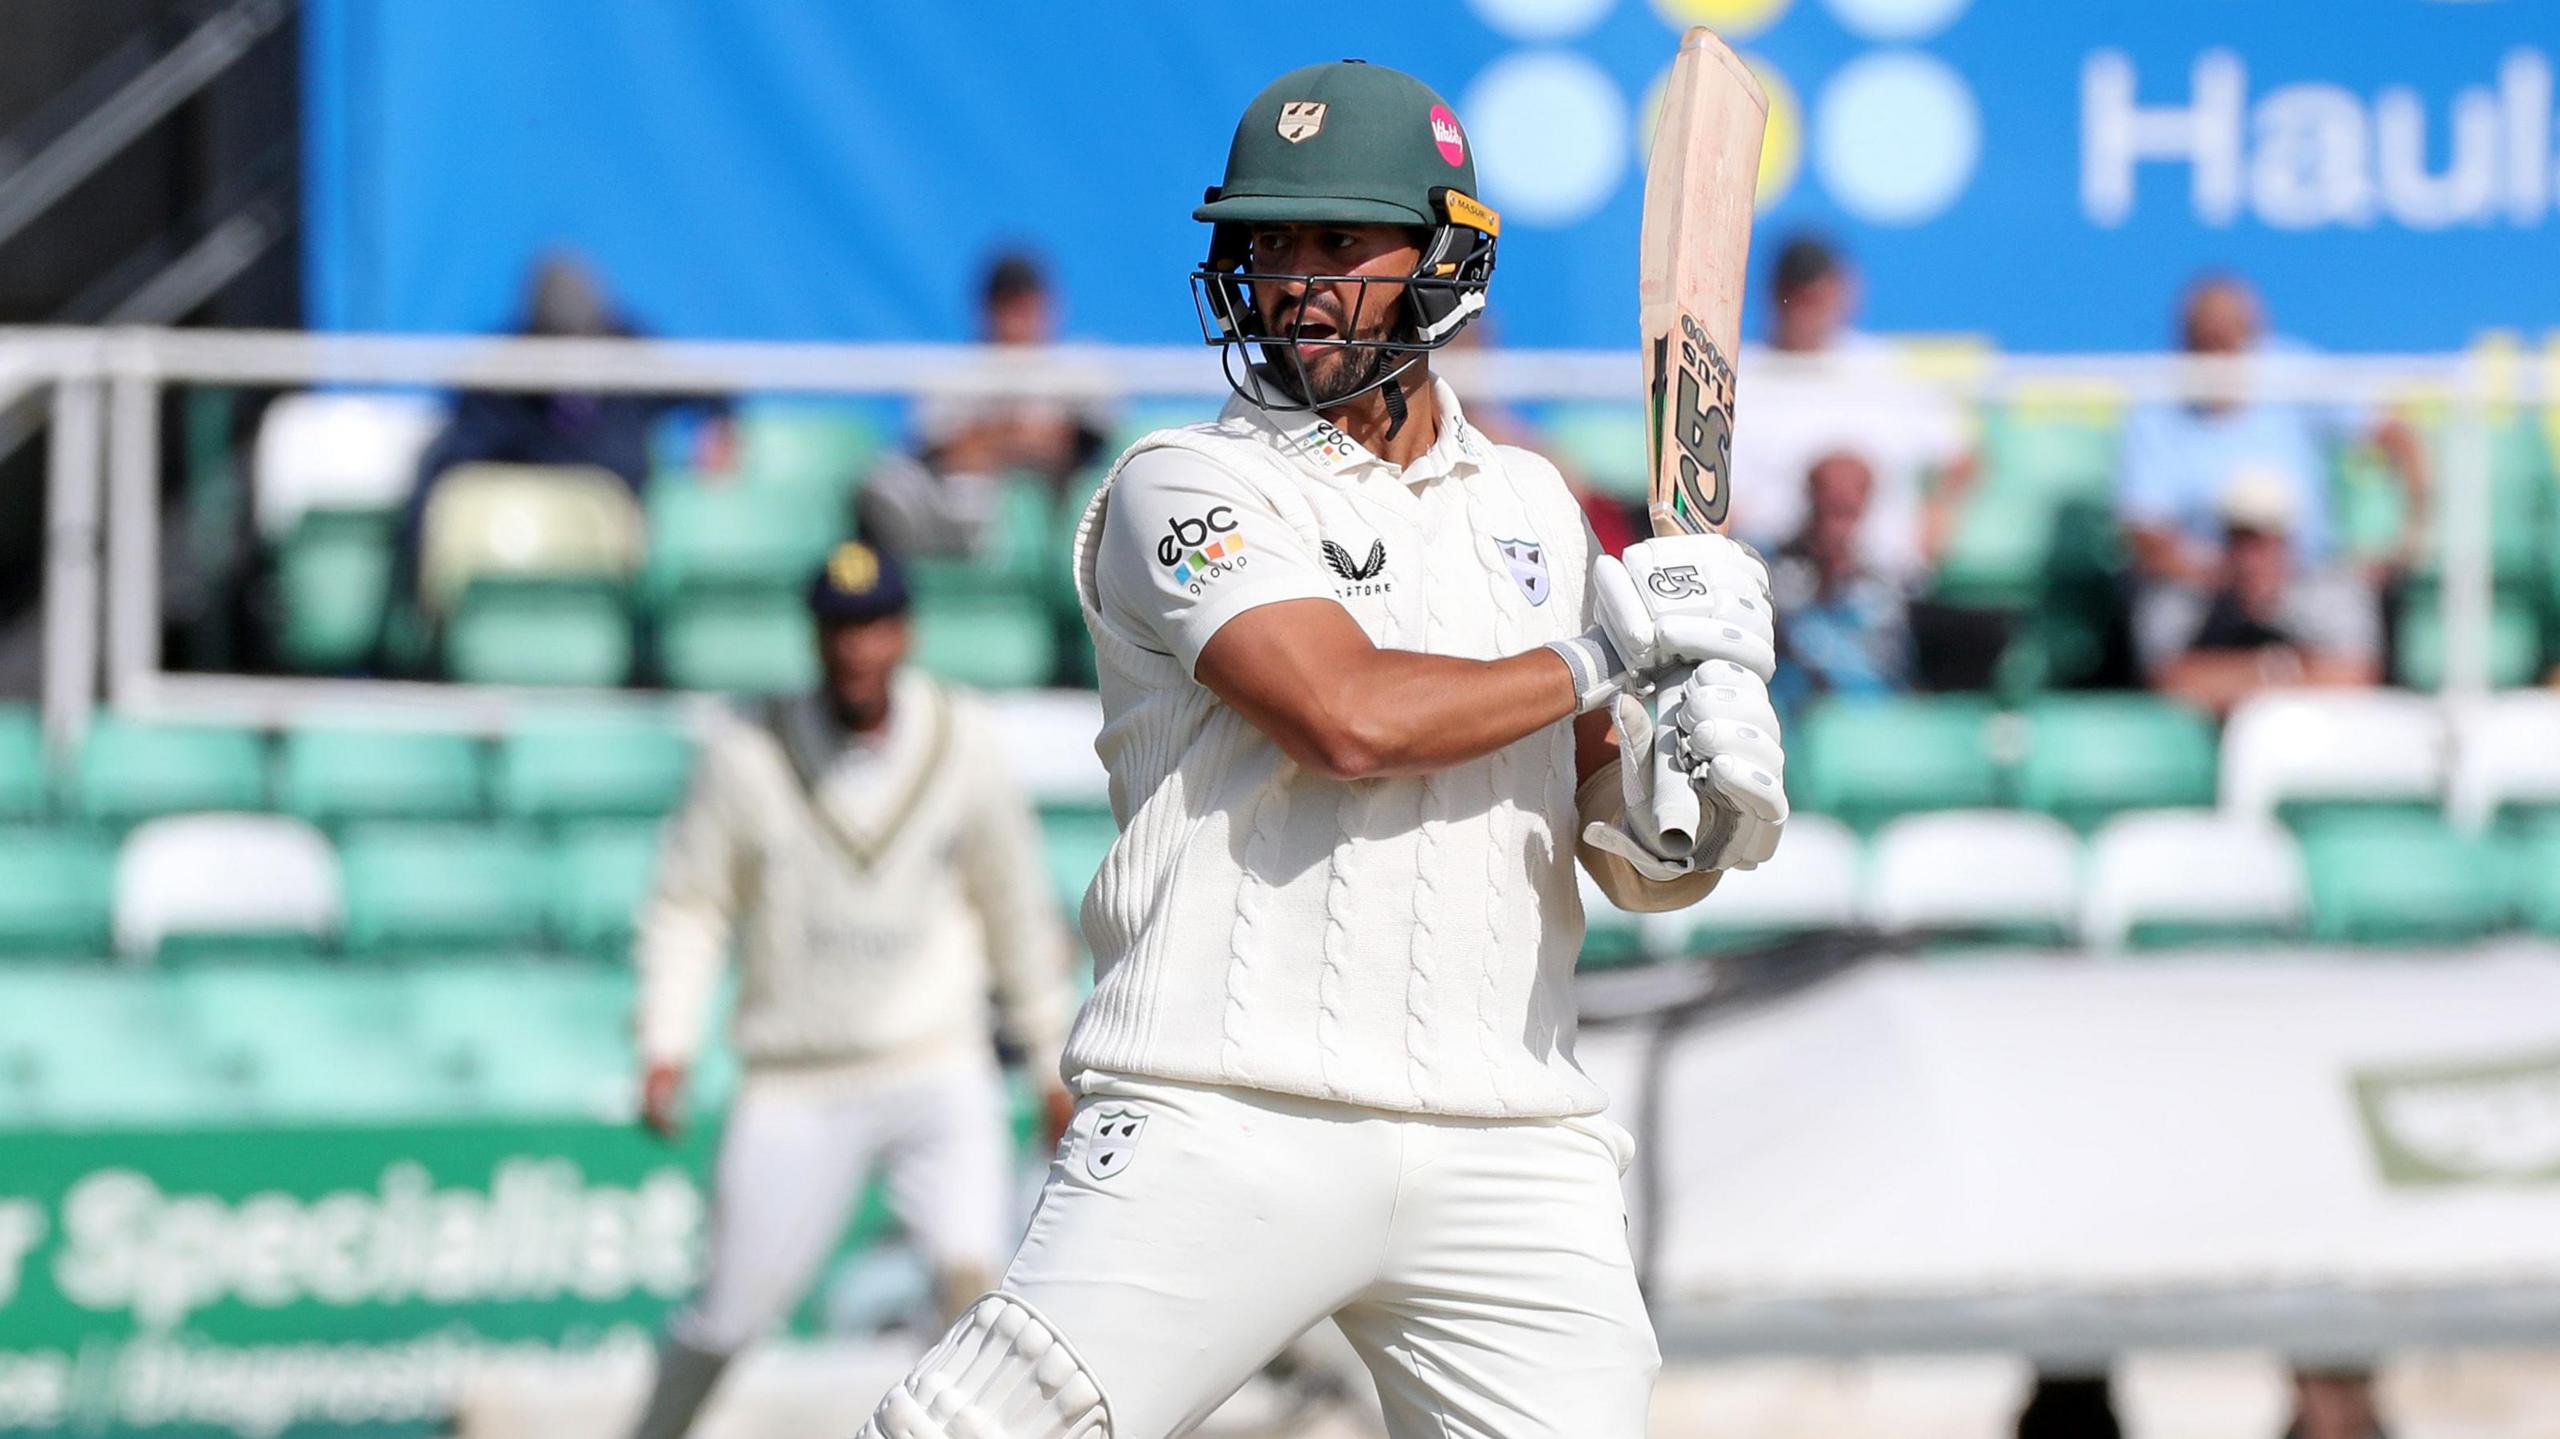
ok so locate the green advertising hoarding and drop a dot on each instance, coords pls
(340, 1277)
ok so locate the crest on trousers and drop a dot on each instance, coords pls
(1115, 1139)
(1300, 120)
(1528, 562)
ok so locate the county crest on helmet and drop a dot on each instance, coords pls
(1300, 120)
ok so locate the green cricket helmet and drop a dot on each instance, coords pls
(1356, 144)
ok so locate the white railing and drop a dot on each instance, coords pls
(104, 387)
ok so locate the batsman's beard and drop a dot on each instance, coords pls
(1321, 376)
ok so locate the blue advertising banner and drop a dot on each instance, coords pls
(2046, 173)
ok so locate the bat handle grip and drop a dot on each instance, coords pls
(1675, 802)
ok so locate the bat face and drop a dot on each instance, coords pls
(1692, 429)
(1697, 242)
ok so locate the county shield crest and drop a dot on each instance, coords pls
(1114, 1141)
(1528, 562)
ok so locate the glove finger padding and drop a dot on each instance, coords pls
(1728, 733)
(1734, 740)
(1725, 692)
(1704, 638)
(1747, 785)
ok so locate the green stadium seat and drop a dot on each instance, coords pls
(705, 533)
(739, 641)
(1866, 761)
(57, 892)
(2373, 515)
(1073, 841)
(130, 770)
(1606, 443)
(599, 880)
(527, 1039)
(2000, 549)
(2371, 511)
(2057, 457)
(23, 780)
(812, 446)
(333, 588)
(1143, 420)
(540, 631)
(302, 1042)
(2090, 756)
(2521, 501)
(816, 446)
(989, 641)
(591, 766)
(1064, 516)
(2515, 641)
(2534, 868)
(1016, 557)
(2064, 639)
(87, 1045)
(333, 775)
(2401, 879)
(414, 889)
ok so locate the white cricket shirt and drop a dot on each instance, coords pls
(1402, 943)
(879, 890)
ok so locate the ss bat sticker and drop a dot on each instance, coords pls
(1694, 415)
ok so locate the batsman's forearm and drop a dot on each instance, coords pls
(1401, 713)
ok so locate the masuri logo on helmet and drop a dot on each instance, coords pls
(1356, 144)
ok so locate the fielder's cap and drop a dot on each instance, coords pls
(858, 584)
(2259, 500)
(1346, 142)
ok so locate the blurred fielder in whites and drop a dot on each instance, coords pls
(881, 873)
(1358, 668)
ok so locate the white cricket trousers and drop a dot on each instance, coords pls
(793, 1164)
(1188, 1233)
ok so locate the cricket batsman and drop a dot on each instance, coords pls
(879, 869)
(1359, 673)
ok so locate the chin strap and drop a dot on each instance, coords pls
(1395, 407)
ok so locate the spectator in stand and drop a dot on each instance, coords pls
(2181, 461)
(1842, 628)
(940, 500)
(2260, 622)
(563, 299)
(1840, 391)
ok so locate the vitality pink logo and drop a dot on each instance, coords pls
(1445, 132)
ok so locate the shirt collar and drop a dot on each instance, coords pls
(819, 743)
(1459, 448)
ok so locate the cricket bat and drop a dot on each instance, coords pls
(1696, 252)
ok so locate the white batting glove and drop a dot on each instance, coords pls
(1727, 732)
(1672, 602)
